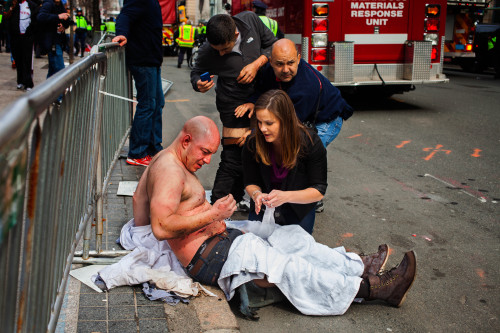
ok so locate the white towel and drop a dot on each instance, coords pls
(316, 279)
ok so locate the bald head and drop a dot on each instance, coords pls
(201, 127)
(197, 142)
(284, 59)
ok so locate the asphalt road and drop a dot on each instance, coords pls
(418, 171)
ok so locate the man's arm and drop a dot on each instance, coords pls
(166, 195)
(202, 66)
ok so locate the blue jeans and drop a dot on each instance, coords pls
(56, 61)
(307, 223)
(145, 135)
(327, 132)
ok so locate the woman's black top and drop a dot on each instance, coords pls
(310, 171)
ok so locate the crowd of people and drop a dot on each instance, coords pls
(34, 28)
(278, 115)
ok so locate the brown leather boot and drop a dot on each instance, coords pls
(375, 262)
(392, 286)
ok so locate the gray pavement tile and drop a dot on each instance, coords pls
(143, 300)
(92, 313)
(157, 311)
(84, 289)
(120, 299)
(121, 312)
(97, 299)
(153, 326)
(122, 326)
(91, 326)
(121, 290)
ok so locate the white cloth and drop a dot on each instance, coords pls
(316, 279)
(150, 261)
(24, 17)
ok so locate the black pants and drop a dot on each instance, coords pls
(229, 176)
(182, 50)
(80, 42)
(22, 51)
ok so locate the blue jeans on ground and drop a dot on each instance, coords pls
(56, 61)
(145, 135)
(307, 223)
(327, 132)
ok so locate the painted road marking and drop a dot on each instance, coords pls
(434, 151)
(176, 100)
(480, 198)
(354, 136)
(476, 153)
(403, 143)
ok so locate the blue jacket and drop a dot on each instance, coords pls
(48, 20)
(304, 90)
(140, 21)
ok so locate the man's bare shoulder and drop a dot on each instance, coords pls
(165, 168)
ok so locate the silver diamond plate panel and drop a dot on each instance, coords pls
(341, 58)
(388, 72)
(417, 60)
(305, 49)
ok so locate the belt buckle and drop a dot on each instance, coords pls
(202, 248)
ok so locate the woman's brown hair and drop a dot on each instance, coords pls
(281, 106)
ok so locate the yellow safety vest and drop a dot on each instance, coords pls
(491, 43)
(186, 36)
(270, 23)
(81, 22)
(110, 26)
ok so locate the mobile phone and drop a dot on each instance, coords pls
(205, 77)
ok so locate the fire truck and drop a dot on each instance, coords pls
(461, 20)
(382, 46)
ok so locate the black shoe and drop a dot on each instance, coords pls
(178, 65)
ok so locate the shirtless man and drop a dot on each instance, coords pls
(171, 198)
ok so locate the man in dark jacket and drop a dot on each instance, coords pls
(237, 47)
(53, 20)
(22, 25)
(139, 26)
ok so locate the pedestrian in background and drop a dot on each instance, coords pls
(185, 37)
(53, 20)
(81, 27)
(139, 29)
(259, 8)
(22, 26)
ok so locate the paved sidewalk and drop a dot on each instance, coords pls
(123, 309)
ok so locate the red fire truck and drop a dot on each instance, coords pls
(380, 45)
(461, 20)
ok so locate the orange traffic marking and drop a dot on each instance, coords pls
(434, 151)
(354, 136)
(403, 143)
(476, 153)
(176, 100)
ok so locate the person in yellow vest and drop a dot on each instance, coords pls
(81, 27)
(110, 25)
(202, 32)
(185, 38)
(259, 8)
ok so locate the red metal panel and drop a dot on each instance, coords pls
(168, 11)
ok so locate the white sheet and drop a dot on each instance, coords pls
(316, 279)
(150, 261)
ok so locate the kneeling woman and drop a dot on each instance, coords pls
(284, 163)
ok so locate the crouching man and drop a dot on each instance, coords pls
(317, 279)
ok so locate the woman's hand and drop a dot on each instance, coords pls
(276, 198)
(257, 198)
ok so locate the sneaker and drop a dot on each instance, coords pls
(320, 207)
(139, 161)
(13, 64)
(20, 86)
(28, 89)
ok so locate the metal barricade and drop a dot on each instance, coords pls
(54, 162)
